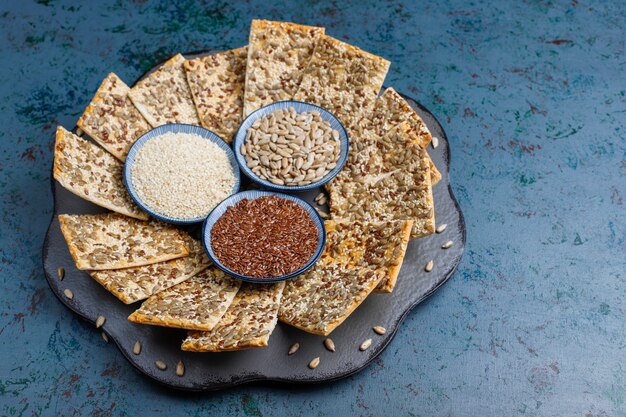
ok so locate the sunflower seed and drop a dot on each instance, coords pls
(447, 245)
(180, 368)
(313, 364)
(329, 344)
(441, 228)
(105, 337)
(322, 214)
(320, 195)
(61, 273)
(435, 142)
(293, 349)
(365, 344)
(429, 266)
(137, 348)
(378, 330)
(161, 365)
(68, 293)
(79, 131)
(100, 321)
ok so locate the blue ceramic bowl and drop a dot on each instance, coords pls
(175, 128)
(251, 195)
(300, 107)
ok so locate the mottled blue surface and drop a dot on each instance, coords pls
(533, 97)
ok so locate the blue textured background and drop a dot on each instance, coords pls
(533, 97)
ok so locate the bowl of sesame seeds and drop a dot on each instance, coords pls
(263, 236)
(291, 146)
(179, 173)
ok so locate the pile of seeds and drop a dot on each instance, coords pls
(265, 237)
(290, 148)
(182, 175)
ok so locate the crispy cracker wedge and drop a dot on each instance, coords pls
(343, 79)
(393, 182)
(113, 241)
(248, 322)
(164, 97)
(278, 52)
(91, 173)
(378, 246)
(111, 118)
(195, 304)
(134, 284)
(217, 86)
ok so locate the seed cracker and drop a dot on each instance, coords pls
(133, 284)
(113, 241)
(343, 79)
(164, 97)
(278, 53)
(195, 304)
(111, 118)
(378, 246)
(391, 182)
(217, 86)
(90, 172)
(248, 322)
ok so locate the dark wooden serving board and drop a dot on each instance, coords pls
(213, 371)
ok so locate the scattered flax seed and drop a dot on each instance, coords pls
(365, 345)
(441, 228)
(100, 321)
(105, 337)
(264, 237)
(429, 266)
(180, 368)
(137, 348)
(293, 349)
(447, 245)
(329, 344)
(161, 365)
(68, 293)
(379, 330)
(61, 273)
(435, 142)
(182, 175)
(313, 364)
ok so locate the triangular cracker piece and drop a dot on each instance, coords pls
(88, 171)
(133, 284)
(217, 85)
(164, 97)
(343, 79)
(322, 298)
(278, 52)
(196, 304)
(378, 246)
(111, 118)
(113, 241)
(248, 322)
(393, 184)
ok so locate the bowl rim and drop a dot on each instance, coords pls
(176, 128)
(344, 143)
(205, 238)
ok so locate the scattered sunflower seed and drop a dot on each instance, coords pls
(61, 273)
(68, 293)
(180, 368)
(329, 344)
(293, 349)
(79, 132)
(429, 266)
(161, 365)
(137, 348)
(322, 201)
(379, 330)
(319, 196)
(447, 245)
(365, 344)
(435, 142)
(313, 364)
(441, 228)
(100, 321)
(105, 337)
(321, 213)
